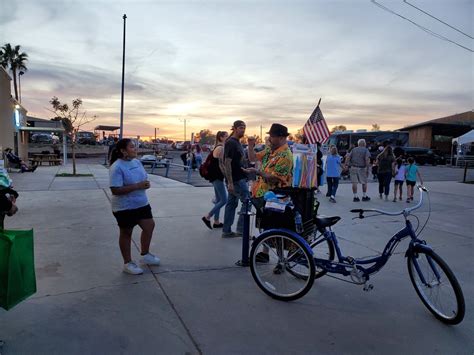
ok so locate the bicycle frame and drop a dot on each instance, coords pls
(346, 264)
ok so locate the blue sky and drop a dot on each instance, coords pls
(212, 62)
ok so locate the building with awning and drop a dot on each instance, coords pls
(58, 130)
(439, 133)
(16, 126)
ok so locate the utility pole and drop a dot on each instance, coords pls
(261, 134)
(184, 121)
(123, 76)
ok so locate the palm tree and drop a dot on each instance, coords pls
(11, 57)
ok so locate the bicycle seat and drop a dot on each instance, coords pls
(324, 221)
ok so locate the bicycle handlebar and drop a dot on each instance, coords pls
(405, 211)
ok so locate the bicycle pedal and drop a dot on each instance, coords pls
(368, 287)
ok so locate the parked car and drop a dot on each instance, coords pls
(86, 138)
(41, 138)
(424, 156)
(150, 159)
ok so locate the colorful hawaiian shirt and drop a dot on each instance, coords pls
(278, 163)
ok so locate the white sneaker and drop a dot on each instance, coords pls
(132, 268)
(150, 259)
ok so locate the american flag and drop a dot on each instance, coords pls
(316, 129)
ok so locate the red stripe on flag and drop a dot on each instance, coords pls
(316, 131)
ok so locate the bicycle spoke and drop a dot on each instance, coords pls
(436, 286)
(280, 276)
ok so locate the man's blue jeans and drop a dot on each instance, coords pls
(241, 191)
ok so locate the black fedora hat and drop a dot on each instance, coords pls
(278, 130)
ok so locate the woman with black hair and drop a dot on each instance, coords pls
(386, 164)
(128, 182)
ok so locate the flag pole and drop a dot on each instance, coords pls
(318, 103)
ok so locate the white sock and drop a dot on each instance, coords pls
(363, 194)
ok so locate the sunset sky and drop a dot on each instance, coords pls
(212, 62)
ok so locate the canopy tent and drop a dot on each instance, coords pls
(106, 128)
(458, 154)
(465, 138)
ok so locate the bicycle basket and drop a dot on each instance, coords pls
(304, 202)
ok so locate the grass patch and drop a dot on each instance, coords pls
(72, 175)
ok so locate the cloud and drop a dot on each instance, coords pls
(261, 61)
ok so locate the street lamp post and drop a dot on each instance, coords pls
(123, 76)
(184, 120)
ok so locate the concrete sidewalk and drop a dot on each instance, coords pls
(197, 301)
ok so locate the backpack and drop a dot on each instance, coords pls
(204, 169)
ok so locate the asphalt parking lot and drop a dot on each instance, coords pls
(428, 172)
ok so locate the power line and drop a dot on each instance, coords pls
(447, 24)
(421, 27)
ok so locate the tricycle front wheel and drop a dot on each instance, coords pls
(278, 260)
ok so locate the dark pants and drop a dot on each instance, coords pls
(384, 182)
(333, 183)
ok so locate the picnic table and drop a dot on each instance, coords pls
(51, 159)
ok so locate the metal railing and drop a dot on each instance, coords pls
(167, 164)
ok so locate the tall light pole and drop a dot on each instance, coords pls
(123, 76)
(184, 120)
(19, 81)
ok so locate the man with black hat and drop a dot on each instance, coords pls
(277, 162)
(276, 170)
(234, 157)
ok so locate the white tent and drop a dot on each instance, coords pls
(465, 138)
(459, 141)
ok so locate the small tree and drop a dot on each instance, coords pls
(340, 127)
(206, 136)
(375, 127)
(299, 135)
(73, 119)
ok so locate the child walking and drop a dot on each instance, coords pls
(333, 172)
(399, 179)
(411, 174)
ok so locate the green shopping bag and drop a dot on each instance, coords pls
(17, 267)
